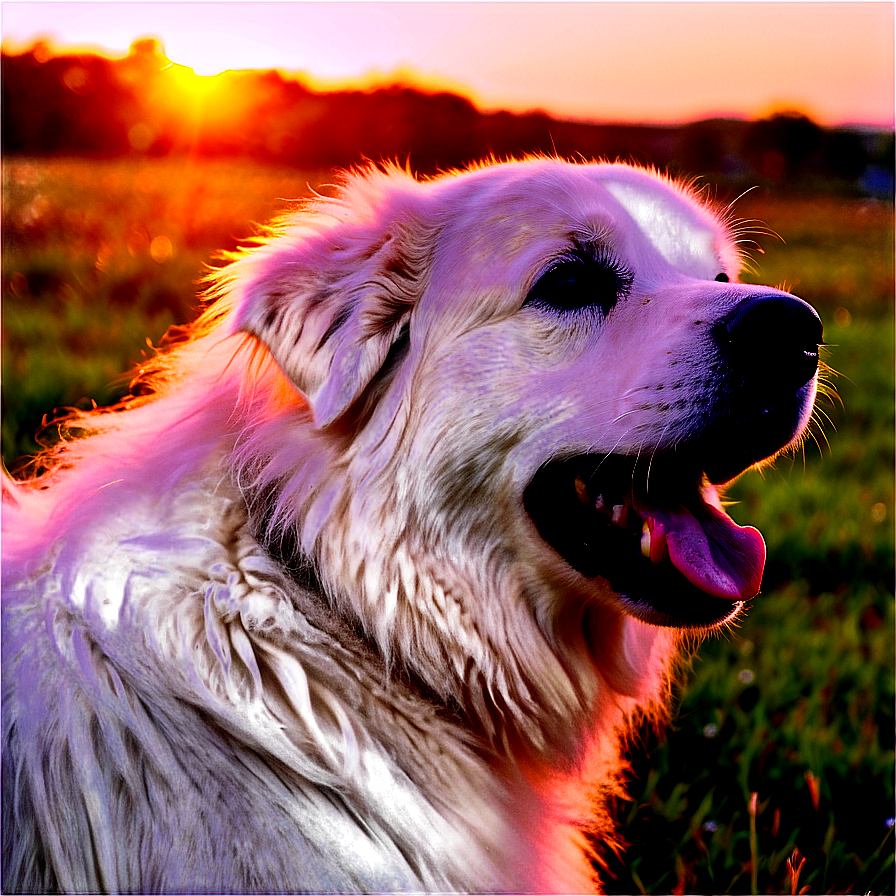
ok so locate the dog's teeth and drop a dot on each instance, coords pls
(653, 544)
(620, 515)
(581, 490)
(645, 541)
(600, 505)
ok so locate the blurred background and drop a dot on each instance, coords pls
(140, 139)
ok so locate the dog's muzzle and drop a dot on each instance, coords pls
(652, 525)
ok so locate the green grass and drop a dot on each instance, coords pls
(87, 275)
(795, 705)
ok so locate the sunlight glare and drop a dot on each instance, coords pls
(190, 82)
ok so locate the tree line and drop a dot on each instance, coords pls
(142, 104)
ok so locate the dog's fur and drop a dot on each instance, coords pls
(281, 621)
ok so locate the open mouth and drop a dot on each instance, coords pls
(652, 528)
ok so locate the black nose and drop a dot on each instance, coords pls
(772, 340)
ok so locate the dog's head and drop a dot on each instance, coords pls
(538, 374)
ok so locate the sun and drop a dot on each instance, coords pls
(192, 84)
(217, 100)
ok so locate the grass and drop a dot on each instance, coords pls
(781, 754)
(100, 257)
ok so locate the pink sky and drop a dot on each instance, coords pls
(666, 62)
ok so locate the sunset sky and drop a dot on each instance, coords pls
(637, 61)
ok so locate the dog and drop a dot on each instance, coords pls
(366, 583)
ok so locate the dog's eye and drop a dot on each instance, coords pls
(582, 280)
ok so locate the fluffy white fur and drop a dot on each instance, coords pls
(283, 624)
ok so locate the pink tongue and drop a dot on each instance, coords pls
(713, 553)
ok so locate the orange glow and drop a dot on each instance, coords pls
(189, 85)
(404, 75)
(214, 100)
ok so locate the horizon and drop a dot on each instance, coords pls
(834, 82)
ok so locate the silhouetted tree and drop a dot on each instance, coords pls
(783, 146)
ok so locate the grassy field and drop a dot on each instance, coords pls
(782, 749)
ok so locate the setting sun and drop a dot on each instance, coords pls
(190, 83)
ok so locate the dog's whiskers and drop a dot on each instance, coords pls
(653, 454)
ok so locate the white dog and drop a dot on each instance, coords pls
(365, 593)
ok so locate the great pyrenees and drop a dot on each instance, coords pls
(362, 588)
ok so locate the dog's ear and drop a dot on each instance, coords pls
(330, 301)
